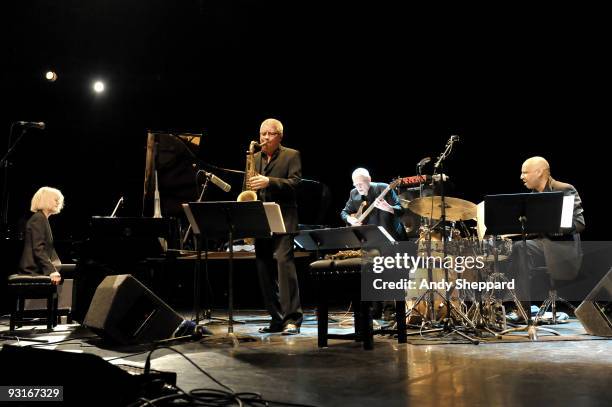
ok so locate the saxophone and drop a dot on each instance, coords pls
(249, 194)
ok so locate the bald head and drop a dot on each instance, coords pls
(535, 173)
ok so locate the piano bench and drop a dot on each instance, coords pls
(349, 271)
(22, 287)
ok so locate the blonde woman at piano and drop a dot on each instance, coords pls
(39, 256)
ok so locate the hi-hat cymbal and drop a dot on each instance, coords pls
(431, 207)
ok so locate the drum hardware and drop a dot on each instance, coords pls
(485, 315)
(487, 312)
(445, 209)
(427, 308)
(496, 249)
(491, 298)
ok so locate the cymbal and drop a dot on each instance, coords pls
(431, 207)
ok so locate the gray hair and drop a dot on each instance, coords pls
(361, 172)
(45, 198)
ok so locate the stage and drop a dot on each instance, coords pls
(427, 371)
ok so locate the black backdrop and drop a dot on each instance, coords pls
(369, 85)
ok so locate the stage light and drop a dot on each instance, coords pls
(51, 76)
(98, 86)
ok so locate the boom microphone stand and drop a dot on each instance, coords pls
(5, 163)
(448, 323)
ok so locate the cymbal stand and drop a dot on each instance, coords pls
(425, 223)
(449, 322)
(478, 319)
(497, 275)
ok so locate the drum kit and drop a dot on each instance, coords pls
(454, 238)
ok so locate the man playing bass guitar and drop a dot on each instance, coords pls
(377, 201)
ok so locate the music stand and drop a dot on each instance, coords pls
(349, 237)
(224, 219)
(524, 213)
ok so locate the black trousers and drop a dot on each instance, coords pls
(278, 278)
(530, 284)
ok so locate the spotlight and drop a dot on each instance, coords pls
(98, 86)
(51, 76)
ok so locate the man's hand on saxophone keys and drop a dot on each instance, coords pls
(258, 182)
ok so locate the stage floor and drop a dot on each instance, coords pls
(293, 369)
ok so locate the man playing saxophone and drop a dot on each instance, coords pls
(278, 172)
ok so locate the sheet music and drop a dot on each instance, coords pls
(387, 235)
(275, 217)
(567, 213)
(191, 219)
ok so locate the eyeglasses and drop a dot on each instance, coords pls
(270, 133)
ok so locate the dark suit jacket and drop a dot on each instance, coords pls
(567, 189)
(285, 173)
(563, 251)
(39, 256)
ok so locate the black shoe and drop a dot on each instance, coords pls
(291, 329)
(271, 329)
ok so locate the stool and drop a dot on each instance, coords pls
(23, 287)
(349, 272)
(551, 300)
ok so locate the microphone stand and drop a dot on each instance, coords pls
(5, 163)
(448, 323)
(430, 298)
(196, 283)
(207, 313)
(200, 198)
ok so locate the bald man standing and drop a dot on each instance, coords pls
(560, 252)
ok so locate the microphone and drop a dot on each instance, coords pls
(424, 161)
(218, 181)
(35, 125)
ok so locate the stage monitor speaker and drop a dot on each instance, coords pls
(124, 311)
(86, 379)
(595, 312)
